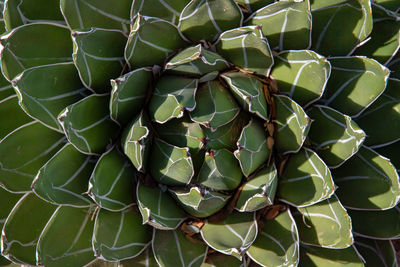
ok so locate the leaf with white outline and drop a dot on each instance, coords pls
(259, 191)
(120, 235)
(306, 180)
(252, 146)
(44, 91)
(196, 61)
(200, 202)
(99, 56)
(158, 208)
(351, 20)
(286, 24)
(172, 248)
(19, 238)
(145, 259)
(381, 120)
(220, 171)
(9, 105)
(128, 94)
(313, 256)
(249, 92)
(277, 243)
(302, 75)
(205, 19)
(171, 97)
(20, 12)
(23, 152)
(75, 228)
(233, 236)
(83, 14)
(366, 222)
(376, 252)
(151, 41)
(183, 133)
(113, 181)
(334, 136)
(6, 88)
(63, 179)
(355, 83)
(392, 152)
(221, 260)
(135, 141)
(293, 125)
(91, 133)
(7, 202)
(18, 54)
(246, 48)
(325, 224)
(172, 165)
(215, 106)
(369, 176)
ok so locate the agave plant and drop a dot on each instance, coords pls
(200, 133)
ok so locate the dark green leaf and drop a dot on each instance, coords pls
(9, 105)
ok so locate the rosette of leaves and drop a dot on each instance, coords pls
(199, 133)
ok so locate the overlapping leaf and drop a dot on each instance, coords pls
(376, 252)
(113, 181)
(9, 105)
(64, 178)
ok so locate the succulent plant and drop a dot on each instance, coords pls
(200, 133)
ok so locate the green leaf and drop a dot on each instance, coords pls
(351, 20)
(249, 92)
(381, 120)
(23, 152)
(44, 91)
(305, 180)
(252, 146)
(113, 181)
(20, 12)
(354, 84)
(376, 252)
(259, 191)
(215, 107)
(196, 61)
(302, 75)
(171, 248)
(384, 43)
(200, 202)
(158, 208)
(7, 202)
(220, 171)
(233, 236)
(376, 224)
(19, 238)
(172, 165)
(325, 224)
(183, 133)
(164, 9)
(319, 4)
(145, 259)
(64, 178)
(369, 176)
(128, 94)
(120, 235)
(98, 56)
(246, 48)
(9, 105)
(312, 256)
(335, 136)
(205, 19)
(226, 136)
(293, 125)
(135, 141)
(171, 97)
(151, 41)
(221, 260)
(286, 24)
(253, 5)
(277, 243)
(6, 88)
(391, 151)
(34, 45)
(91, 133)
(75, 228)
(81, 14)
